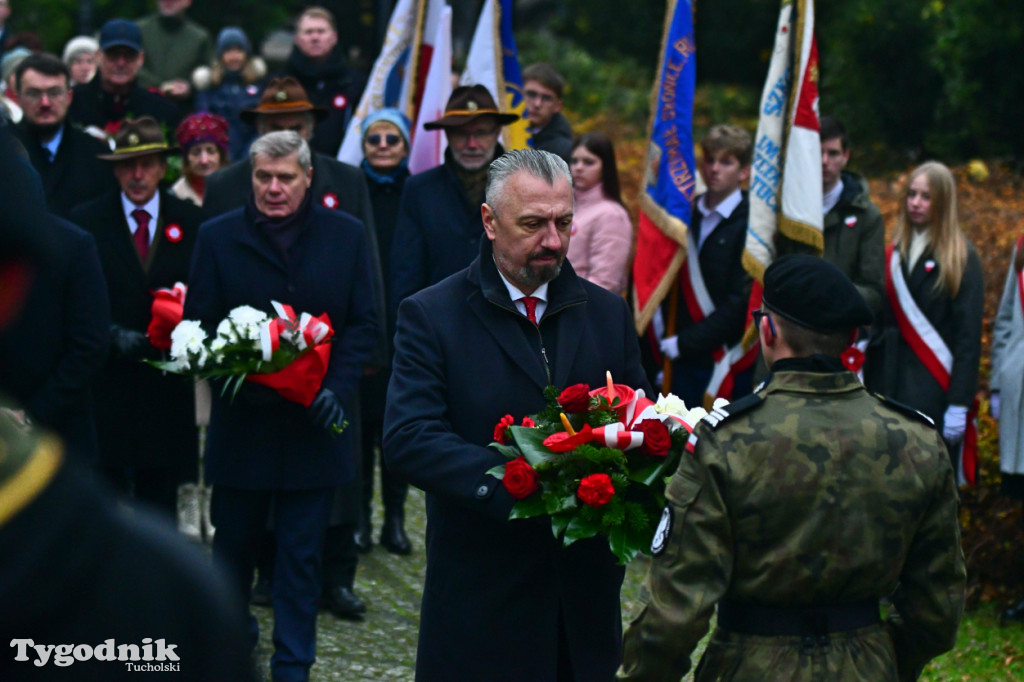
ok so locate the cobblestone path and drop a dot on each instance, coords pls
(383, 645)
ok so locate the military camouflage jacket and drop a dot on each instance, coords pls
(812, 492)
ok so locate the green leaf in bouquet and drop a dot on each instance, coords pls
(498, 472)
(621, 545)
(653, 474)
(559, 522)
(531, 444)
(171, 366)
(509, 451)
(559, 502)
(580, 528)
(528, 507)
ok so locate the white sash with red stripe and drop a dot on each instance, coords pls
(729, 360)
(929, 347)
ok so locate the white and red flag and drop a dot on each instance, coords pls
(785, 180)
(428, 145)
(392, 81)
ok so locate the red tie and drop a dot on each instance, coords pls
(531, 307)
(141, 235)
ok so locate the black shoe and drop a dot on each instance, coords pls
(393, 537)
(1014, 614)
(343, 603)
(364, 535)
(261, 594)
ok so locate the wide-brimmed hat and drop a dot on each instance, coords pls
(138, 137)
(467, 104)
(283, 96)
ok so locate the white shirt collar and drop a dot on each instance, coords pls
(152, 207)
(724, 208)
(541, 293)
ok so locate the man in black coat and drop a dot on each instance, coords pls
(57, 346)
(62, 154)
(503, 600)
(338, 186)
(318, 62)
(114, 94)
(263, 450)
(145, 418)
(429, 243)
(78, 569)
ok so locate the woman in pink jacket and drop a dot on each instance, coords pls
(602, 234)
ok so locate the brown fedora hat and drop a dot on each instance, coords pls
(138, 137)
(283, 96)
(468, 103)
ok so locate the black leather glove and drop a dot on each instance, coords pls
(131, 345)
(326, 410)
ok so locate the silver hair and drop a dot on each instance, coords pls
(540, 164)
(280, 144)
(263, 121)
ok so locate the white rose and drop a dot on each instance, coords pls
(670, 404)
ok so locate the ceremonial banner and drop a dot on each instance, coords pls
(785, 180)
(667, 198)
(391, 82)
(493, 61)
(428, 145)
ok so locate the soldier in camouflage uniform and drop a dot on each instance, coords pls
(797, 508)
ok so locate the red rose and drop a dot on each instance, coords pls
(501, 429)
(528, 423)
(596, 490)
(657, 439)
(575, 398)
(520, 479)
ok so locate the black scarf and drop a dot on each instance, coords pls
(282, 232)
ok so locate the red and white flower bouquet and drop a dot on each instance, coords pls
(596, 462)
(289, 353)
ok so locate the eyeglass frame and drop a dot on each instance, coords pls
(36, 95)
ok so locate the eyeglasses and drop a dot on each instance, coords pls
(545, 97)
(758, 315)
(389, 140)
(36, 94)
(478, 135)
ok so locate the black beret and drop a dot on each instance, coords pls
(815, 294)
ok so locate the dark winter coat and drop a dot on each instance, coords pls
(144, 417)
(75, 175)
(497, 592)
(893, 369)
(276, 446)
(330, 84)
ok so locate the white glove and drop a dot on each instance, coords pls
(993, 404)
(954, 423)
(670, 347)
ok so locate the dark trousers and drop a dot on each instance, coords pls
(300, 523)
(393, 488)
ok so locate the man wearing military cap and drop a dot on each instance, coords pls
(438, 229)
(145, 418)
(796, 509)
